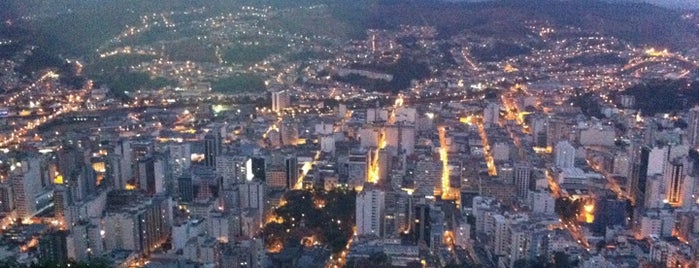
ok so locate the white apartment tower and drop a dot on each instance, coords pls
(369, 212)
(280, 100)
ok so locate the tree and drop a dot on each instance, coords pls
(568, 209)
(561, 260)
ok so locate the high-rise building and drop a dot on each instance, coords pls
(369, 136)
(674, 177)
(185, 188)
(151, 174)
(180, 157)
(639, 173)
(557, 130)
(541, 202)
(692, 131)
(84, 240)
(358, 167)
(369, 212)
(53, 248)
(609, 211)
(405, 115)
(252, 196)
(427, 173)
(259, 167)
(289, 133)
(654, 195)
(276, 177)
(422, 226)
(522, 177)
(621, 164)
(657, 159)
(123, 163)
(242, 255)
(292, 171)
(327, 143)
(520, 242)
(565, 154)
(7, 202)
(212, 147)
(280, 100)
(234, 169)
(401, 136)
(491, 114)
(26, 179)
(135, 222)
(81, 182)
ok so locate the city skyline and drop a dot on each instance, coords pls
(349, 134)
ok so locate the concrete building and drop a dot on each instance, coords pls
(564, 155)
(234, 169)
(280, 101)
(522, 179)
(692, 131)
(135, 222)
(369, 212)
(28, 181)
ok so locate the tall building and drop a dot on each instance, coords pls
(674, 177)
(127, 154)
(185, 188)
(252, 196)
(422, 226)
(212, 147)
(692, 131)
(122, 162)
(428, 172)
(84, 240)
(26, 179)
(565, 155)
(542, 202)
(522, 178)
(654, 195)
(259, 167)
(369, 136)
(520, 235)
(369, 212)
(358, 167)
(242, 255)
(557, 130)
(639, 173)
(82, 182)
(53, 248)
(7, 202)
(401, 136)
(657, 160)
(234, 169)
(151, 174)
(280, 100)
(491, 114)
(609, 211)
(289, 133)
(327, 143)
(180, 157)
(135, 222)
(276, 177)
(292, 171)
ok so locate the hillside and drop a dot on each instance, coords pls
(76, 28)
